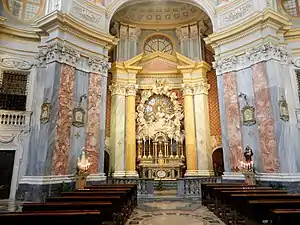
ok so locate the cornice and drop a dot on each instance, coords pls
(292, 34)
(69, 24)
(266, 18)
(24, 34)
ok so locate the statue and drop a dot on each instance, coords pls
(83, 165)
(248, 154)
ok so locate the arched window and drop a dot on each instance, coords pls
(25, 10)
(158, 43)
(292, 7)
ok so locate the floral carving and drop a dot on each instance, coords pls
(15, 63)
(99, 65)
(86, 14)
(238, 13)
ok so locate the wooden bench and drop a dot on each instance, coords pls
(285, 216)
(70, 217)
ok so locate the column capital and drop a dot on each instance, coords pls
(201, 87)
(187, 89)
(98, 65)
(131, 89)
(117, 89)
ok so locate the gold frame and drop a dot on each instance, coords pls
(45, 107)
(248, 113)
(284, 110)
(75, 121)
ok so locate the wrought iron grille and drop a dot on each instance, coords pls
(13, 90)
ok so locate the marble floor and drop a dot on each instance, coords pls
(173, 212)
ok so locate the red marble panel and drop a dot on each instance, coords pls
(60, 160)
(93, 121)
(265, 119)
(233, 120)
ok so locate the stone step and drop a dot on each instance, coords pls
(167, 184)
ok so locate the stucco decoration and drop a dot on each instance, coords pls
(15, 63)
(160, 13)
(237, 13)
(296, 62)
(158, 121)
(85, 13)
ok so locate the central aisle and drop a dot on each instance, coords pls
(173, 212)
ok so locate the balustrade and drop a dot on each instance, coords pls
(15, 119)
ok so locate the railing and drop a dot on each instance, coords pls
(145, 187)
(15, 120)
(191, 187)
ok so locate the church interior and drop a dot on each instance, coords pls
(150, 112)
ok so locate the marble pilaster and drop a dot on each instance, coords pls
(117, 130)
(265, 119)
(60, 160)
(93, 121)
(233, 118)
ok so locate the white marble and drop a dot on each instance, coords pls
(118, 134)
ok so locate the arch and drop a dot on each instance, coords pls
(206, 5)
(218, 161)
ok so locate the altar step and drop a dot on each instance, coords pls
(166, 185)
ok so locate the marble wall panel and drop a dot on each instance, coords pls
(250, 134)
(287, 132)
(102, 123)
(223, 120)
(233, 120)
(93, 121)
(60, 160)
(78, 134)
(40, 143)
(265, 118)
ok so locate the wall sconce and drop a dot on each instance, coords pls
(45, 112)
(79, 113)
(284, 109)
(248, 111)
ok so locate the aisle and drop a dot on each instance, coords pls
(170, 212)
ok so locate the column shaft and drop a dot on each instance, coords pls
(189, 126)
(130, 132)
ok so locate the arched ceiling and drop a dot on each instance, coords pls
(160, 14)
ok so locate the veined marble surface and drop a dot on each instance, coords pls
(189, 212)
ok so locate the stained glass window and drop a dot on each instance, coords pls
(292, 7)
(25, 10)
(158, 43)
(13, 91)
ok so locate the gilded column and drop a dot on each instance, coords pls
(117, 129)
(189, 127)
(130, 131)
(203, 139)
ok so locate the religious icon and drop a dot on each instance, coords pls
(248, 111)
(284, 110)
(248, 154)
(45, 112)
(78, 117)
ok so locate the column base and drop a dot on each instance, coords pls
(199, 173)
(132, 174)
(119, 174)
(233, 176)
(96, 177)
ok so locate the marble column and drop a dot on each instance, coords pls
(130, 131)
(233, 118)
(265, 119)
(117, 129)
(189, 127)
(203, 138)
(60, 159)
(93, 121)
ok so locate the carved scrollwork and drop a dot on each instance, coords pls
(86, 14)
(131, 89)
(187, 89)
(201, 87)
(15, 63)
(98, 65)
(296, 62)
(7, 140)
(118, 89)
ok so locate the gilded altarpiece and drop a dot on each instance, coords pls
(160, 133)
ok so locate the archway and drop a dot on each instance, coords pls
(106, 163)
(218, 161)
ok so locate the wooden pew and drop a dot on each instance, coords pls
(206, 189)
(71, 217)
(260, 210)
(285, 216)
(109, 212)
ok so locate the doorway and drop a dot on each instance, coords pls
(6, 172)
(218, 162)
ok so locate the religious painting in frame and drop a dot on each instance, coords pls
(248, 113)
(284, 110)
(45, 112)
(78, 117)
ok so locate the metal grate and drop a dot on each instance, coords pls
(13, 91)
(291, 7)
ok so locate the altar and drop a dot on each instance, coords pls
(160, 137)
